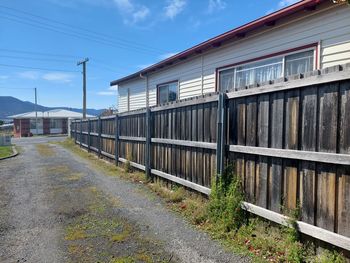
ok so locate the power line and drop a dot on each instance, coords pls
(37, 53)
(100, 35)
(73, 34)
(44, 69)
(39, 59)
(95, 62)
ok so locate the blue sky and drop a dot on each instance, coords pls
(42, 40)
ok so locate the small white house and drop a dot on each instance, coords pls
(308, 35)
(48, 122)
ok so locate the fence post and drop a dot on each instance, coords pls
(221, 121)
(148, 143)
(75, 131)
(99, 127)
(89, 130)
(81, 132)
(116, 140)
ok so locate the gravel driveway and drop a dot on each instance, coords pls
(54, 207)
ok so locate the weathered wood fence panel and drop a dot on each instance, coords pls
(289, 143)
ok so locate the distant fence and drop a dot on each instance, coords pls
(289, 142)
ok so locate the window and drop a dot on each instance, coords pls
(33, 123)
(55, 124)
(238, 77)
(167, 92)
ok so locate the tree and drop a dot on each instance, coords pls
(1, 122)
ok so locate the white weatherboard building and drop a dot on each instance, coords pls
(309, 35)
(47, 122)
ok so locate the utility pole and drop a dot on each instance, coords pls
(36, 111)
(84, 84)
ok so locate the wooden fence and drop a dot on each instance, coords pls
(289, 142)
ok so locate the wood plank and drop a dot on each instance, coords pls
(332, 158)
(275, 181)
(262, 141)
(343, 200)
(308, 193)
(194, 101)
(130, 138)
(181, 181)
(314, 231)
(326, 187)
(328, 116)
(295, 84)
(343, 216)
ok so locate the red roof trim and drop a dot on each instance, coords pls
(239, 31)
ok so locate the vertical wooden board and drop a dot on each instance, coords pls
(240, 121)
(251, 121)
(275, 181)
(275, 184)
(200, 166)
(200, 126)
(206, 124)
(262, 141)
(344, 133)
(194, 137)
(250, 179)
(308, 192)
(240, 167)
(290, 184)
(292, 119)
(326, 195)
(328, 115)
(213, 121)
(343, 190)
(232, 122)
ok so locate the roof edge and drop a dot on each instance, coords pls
(197, 49)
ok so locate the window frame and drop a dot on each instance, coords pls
(168, 83)
(282, 54)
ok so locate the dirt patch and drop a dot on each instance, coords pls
(45, 150)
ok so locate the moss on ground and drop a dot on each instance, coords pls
(45, 150)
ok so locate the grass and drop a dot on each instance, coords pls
(221, 217)
(45, 150)
(5, 151)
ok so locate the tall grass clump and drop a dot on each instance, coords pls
(225, 204)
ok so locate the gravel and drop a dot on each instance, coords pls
(32, 231)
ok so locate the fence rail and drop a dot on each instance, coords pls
(289, 143)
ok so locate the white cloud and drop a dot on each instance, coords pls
(132, 13)
(281, 4)
(115, 88)
(58, 77)
(124, 5)
(33, 75)
(107, 93)
(142, 66)
(140, 14)
(167, 55)
(284, 3)
(174, 8)
(216, 5)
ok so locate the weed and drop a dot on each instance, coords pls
(127, 165)
(225, 205)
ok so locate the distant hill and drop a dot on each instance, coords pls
(11, 106)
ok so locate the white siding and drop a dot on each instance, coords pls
(122, 98)
(331, 28)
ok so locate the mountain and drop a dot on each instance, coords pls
(11, 106)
